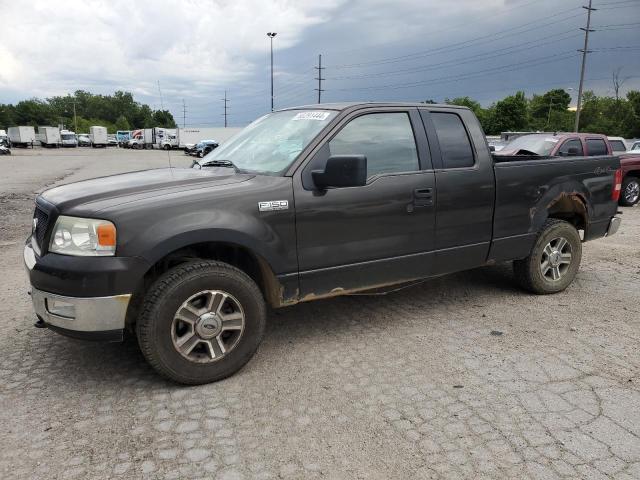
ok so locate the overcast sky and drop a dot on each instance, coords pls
(372, 49)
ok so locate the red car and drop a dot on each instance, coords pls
(578, 144)
(558, 145)
(630, 166)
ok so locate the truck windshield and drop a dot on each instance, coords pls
(271, 143)
(533, 144)
(68, 136)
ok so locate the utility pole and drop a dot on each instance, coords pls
(225, 108)
(184, 114)
(75, 119)
(584, 51)
(271, 35)
(160, 92)
(319, 78)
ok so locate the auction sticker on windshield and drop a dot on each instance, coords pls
(311, 116)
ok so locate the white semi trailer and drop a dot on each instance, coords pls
(49, 136)
(22, 136)
(98, 136)
(187, 137)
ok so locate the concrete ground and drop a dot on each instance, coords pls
(466, 376)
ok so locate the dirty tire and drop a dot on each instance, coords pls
(528, 271)
(167, 294)
(630, 193)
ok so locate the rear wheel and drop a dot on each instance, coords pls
(554, 260)
(630, 193)
(201, 322)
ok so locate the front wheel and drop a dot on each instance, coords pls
(201, 322)
(554, 260)
(630, 193)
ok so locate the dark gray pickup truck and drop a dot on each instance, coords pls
(305, 203)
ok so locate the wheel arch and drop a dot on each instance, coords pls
(241, 256)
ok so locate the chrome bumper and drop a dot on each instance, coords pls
(97, 314)
(614, 225)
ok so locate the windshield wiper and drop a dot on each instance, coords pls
(220, 163)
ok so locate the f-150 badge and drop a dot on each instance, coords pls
(273, 205)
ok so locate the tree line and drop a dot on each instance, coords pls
(116, 112)
(613, 116)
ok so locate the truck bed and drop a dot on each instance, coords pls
(526, 187)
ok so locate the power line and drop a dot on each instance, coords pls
(501, 69)
(319, 78)
(489, 38)
(464, 60)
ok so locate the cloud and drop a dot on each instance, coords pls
(199, 48)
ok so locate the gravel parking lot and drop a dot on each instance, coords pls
(465, 376)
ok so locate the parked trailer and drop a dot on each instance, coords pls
(188, 137)
(98, 136)
(149, 137)
(49, 136)
(22, 136)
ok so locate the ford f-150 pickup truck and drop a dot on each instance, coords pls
(305, 203)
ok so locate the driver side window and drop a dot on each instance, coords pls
(386, 139)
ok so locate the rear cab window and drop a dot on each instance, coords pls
(618, 146)
(596, 146)
(455, 146)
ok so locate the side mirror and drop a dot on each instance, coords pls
(492, 148)
(342, 171)
(572, 151)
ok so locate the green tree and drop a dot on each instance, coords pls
(122, 123)
(508, 114)
(163, 118)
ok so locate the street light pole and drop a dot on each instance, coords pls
(271, 35)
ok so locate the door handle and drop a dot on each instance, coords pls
(423, 193)
(423, 197)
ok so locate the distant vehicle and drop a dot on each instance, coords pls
(49, 136)
(635, 148)
(84, 140)
(22, 136)
(148, 134)
(560, 145)
(135, 143)
(166, 138)
(111, 140)
(122, 137)
(630, 190)
(98, 136)
(205, 147)
(4, 150)
(68, 139)
(618, 144)
(189, 137)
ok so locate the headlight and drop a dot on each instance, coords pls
(83, 237)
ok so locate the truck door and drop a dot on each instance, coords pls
(466, 189)
(376, 234)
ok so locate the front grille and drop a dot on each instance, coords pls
(41, 227)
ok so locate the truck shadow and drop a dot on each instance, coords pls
(121, 365)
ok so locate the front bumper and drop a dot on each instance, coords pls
(98, 318)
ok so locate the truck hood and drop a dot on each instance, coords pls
(105, 192)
